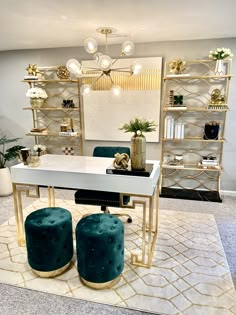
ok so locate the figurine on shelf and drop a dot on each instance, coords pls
(217, 100)
(33, 72)
(64, 125)
(63, 73)
(68, 104)
(68, 150)
(178, 100)
(217, 97)
(171, 98)
(177, 66)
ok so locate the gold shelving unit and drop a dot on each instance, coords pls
(51, 114)
(190, 179)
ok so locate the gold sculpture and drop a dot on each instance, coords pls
(32, 70)
(177, 66)
(121, 161)
(217, 98)
(63, 73)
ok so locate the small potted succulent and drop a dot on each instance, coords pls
(138, 141)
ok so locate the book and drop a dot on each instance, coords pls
(38, 129)
(170, 108)
(130, 172)
(67, 133)
(178, 75)
(173, 165)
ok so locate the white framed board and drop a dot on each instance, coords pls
(104, 113)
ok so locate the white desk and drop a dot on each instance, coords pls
(83, 172)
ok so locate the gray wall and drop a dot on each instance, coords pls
(16, 122)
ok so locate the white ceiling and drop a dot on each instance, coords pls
(28, 24)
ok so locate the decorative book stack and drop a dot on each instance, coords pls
(173, 130)
(209, 162)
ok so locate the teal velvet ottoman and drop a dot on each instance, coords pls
(49, 241)
(100, 250)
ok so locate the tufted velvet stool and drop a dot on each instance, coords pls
(100, 250)
(49, 241)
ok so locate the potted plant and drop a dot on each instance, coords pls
(219, 55)
(7, 155)
(138, 141)
(37, 96)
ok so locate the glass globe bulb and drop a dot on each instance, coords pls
(86, 89)
(128, 48)
(97, 56)
(105, 62)
(90, 45)
(116, 90)
(136, 68)
(74, 66)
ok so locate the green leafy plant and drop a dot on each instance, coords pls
(9, 154)
(138, 126)
(220, 53)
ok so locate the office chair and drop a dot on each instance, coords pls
(104, 199)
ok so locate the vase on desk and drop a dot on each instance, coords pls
(138, 152)
(34, 159)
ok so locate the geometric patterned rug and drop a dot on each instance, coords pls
(189, 276)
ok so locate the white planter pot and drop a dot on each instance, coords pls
(5, 182)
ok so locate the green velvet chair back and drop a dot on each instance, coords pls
(107, 151)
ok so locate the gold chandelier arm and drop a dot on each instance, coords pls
(112, 82)
(92, 69)
(115, 61)
(121, 70)
(97, 79)
(106, 43)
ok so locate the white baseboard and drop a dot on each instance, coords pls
(228, 193)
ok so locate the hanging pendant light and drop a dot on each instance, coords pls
(105, 64)
(86, 89)
(116, 90)
(128, 48)
(90, 45)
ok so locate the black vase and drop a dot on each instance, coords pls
(211, 131)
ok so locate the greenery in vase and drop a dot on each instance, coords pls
(9, 154)
(220, 53)
(39, 148)
(138, 126)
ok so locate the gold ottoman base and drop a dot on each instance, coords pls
(100, 286)
(51, 274)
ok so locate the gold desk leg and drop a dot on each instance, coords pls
(18, 189)
(149, 230)
(51, 196)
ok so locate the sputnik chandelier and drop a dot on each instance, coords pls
(105, 65)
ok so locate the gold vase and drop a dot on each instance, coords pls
(34, 161)
(138, 152)
(36, 102)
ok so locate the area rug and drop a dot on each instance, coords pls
(189, 276)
